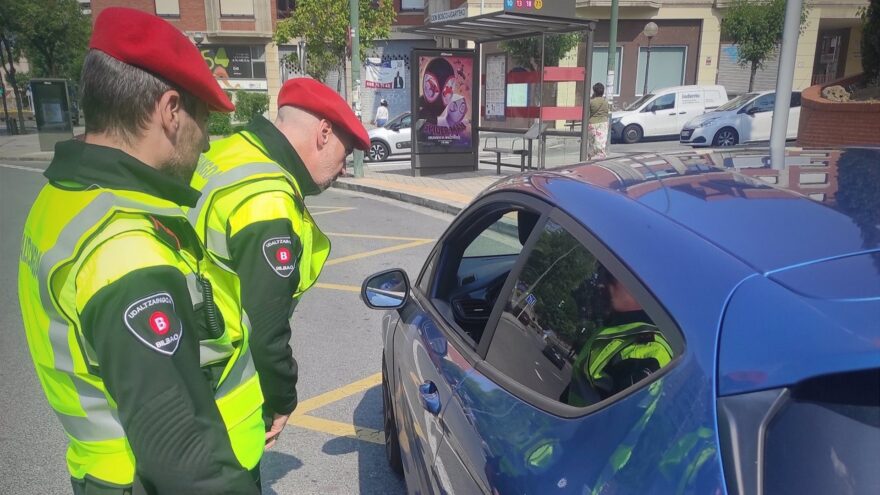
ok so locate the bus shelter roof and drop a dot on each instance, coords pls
(501, 25)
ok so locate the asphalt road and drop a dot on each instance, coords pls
(333, 445)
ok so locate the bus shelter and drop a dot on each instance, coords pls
(509, 101)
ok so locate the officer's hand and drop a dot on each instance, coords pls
(278, 424)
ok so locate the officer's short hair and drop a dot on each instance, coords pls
(118, 98)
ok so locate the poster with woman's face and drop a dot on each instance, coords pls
(445, 103)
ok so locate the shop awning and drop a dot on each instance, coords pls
(500, 25)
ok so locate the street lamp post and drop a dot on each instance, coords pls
(650, 31)
(302, 57)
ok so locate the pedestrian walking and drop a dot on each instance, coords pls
(598, 125)
(252, 215)
(136, 334)
(381, 113)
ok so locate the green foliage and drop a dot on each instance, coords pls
(527, 51)
(248, 105)
(324, 24)
(755, 27)
(53, 34)
(871, 41)
(219, 124)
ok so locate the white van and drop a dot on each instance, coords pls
(664, 112)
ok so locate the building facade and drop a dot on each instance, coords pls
(234, 36)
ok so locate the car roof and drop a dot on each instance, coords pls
(820, 205)
(689, 87)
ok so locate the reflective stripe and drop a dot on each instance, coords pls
(211, 352)
(242, 370)
(232, 176)
(216, 242)
(101, 421)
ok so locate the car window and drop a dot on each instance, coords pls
(571, 331)
(764, 103)
(795, 100)
(664, 102)
(737, 102)
(406, 122)
(476, 260)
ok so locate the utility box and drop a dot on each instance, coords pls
(52, 111)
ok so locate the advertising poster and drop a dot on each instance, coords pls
(384, 75)
(444, 105)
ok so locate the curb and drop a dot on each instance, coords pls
(27, 158)
(400, 196)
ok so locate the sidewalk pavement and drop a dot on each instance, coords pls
(447, 193)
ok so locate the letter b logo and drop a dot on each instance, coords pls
(159, 323)
(283, 255)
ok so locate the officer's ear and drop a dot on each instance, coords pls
(325, 132)
(171, 110)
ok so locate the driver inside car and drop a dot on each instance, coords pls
(628, 348)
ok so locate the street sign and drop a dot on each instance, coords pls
(448, 15)
(555, 8)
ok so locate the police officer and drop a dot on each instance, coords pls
(253, 217)
(629, 348)
(135, 333)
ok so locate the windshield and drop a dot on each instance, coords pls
(736, 102)
(397, 120)
(636, 104)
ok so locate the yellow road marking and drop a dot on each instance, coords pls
(340, 393)
(347, 288)
(376, 252)
(338, 429)
(388, 237)
(329, 211)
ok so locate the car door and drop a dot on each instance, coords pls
(525, 425)
(759, 119)
(660, 116)
(441, 329)
(690, 103)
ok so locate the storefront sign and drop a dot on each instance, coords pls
(448, 15)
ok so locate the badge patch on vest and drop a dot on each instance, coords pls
(278, 252)
(154, 322)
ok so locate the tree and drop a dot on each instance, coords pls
(755, 27)
(871, 42)
(526, 52)
(323, 24)
(54, 36)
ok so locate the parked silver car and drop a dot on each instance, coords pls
(392, 139)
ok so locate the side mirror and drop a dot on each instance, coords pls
(394, 127)
(386, 290)
(752, 111)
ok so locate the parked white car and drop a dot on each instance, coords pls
(395, 137)
(744, 119)
(664, 112)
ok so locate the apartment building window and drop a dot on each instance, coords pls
(286, 8)
(168, 8)
(236, 8)
(258, 61)
(666, 68)
(412, 5)
(600, 67)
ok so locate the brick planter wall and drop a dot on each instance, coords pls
(826, 123)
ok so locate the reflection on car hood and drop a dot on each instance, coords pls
(706, 116)
(821, 204)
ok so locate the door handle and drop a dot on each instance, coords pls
(682, 113)
(673, 113)
(429, 397)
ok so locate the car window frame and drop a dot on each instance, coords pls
(650, 304)
(463, 343)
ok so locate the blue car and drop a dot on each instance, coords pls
(690, 323)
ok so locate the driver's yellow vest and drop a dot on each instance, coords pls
(236, 170)
(64, 229)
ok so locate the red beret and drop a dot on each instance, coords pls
(154, 45)
(319, 99)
